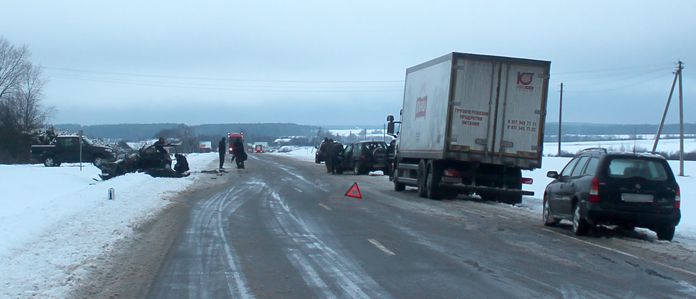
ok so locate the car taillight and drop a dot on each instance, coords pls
(451, 172)
(528, 181)
(594, 190)
(677, 199)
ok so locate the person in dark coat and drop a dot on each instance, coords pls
(239, 153)
(159, 145)
(336, 150)
(222, 149)
(326, 152)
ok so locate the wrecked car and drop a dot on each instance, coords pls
(153, 160)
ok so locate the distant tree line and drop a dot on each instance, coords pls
(21, 110)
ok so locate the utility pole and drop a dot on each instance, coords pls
(664, 114)
(677, 75)
(681, 122)
(560, 111)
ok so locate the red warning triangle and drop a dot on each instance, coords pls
(354, 191)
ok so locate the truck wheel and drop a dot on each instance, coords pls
(421, 178)
(432, 181)
(398, 186)
(50, 162)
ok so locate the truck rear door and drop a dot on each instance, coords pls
(521, 108)
(498, 108)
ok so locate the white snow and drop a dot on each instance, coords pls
(55, 221)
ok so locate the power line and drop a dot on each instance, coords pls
(225, 79)
(204, 86)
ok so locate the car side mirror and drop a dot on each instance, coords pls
(552, 174)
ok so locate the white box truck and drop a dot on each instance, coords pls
(470, 124)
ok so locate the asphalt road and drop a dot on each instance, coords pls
(282, 228)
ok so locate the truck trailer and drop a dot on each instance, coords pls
(470, 124)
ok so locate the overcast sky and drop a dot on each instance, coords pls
(342, 62)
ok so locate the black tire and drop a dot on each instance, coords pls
(665, 233)
(50, 162)
(98, 161)
(580, 226)
(395, 179)
(432, 181)
(357, 168)
(546, 214)
(421, 178)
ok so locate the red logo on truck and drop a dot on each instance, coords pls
(421, 105)
(524, 79)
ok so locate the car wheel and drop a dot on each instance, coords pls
(665, 233)
(580, 226)
(432, 182)
(98, 161)
(50, 162)
(357, 169)
(548, 219)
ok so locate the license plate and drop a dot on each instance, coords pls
(632, 197)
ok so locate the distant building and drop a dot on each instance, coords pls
(205, 146)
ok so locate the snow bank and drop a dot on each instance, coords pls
(54, 220)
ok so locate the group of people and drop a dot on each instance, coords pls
(330, 152)
(239, 155)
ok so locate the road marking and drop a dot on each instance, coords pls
(381, 247)
(298, 190)
(324, 206)
(621, 252)
(501, 216)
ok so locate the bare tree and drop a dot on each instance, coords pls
(13, 65)
(30, 112)
(21, 86)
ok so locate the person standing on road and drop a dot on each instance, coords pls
(239, 153)
(336, 150)
(326, 153)
(222, 148)
(322, 147)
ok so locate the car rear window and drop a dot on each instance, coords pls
(633, 167)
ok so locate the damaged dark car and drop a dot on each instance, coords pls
(153, 160)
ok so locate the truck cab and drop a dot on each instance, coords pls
(231, 138)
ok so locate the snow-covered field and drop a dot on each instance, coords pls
(55, 222)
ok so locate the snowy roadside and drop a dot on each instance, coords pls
(56, 221)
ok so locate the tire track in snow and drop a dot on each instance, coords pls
(210, 265)
(328, 273)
